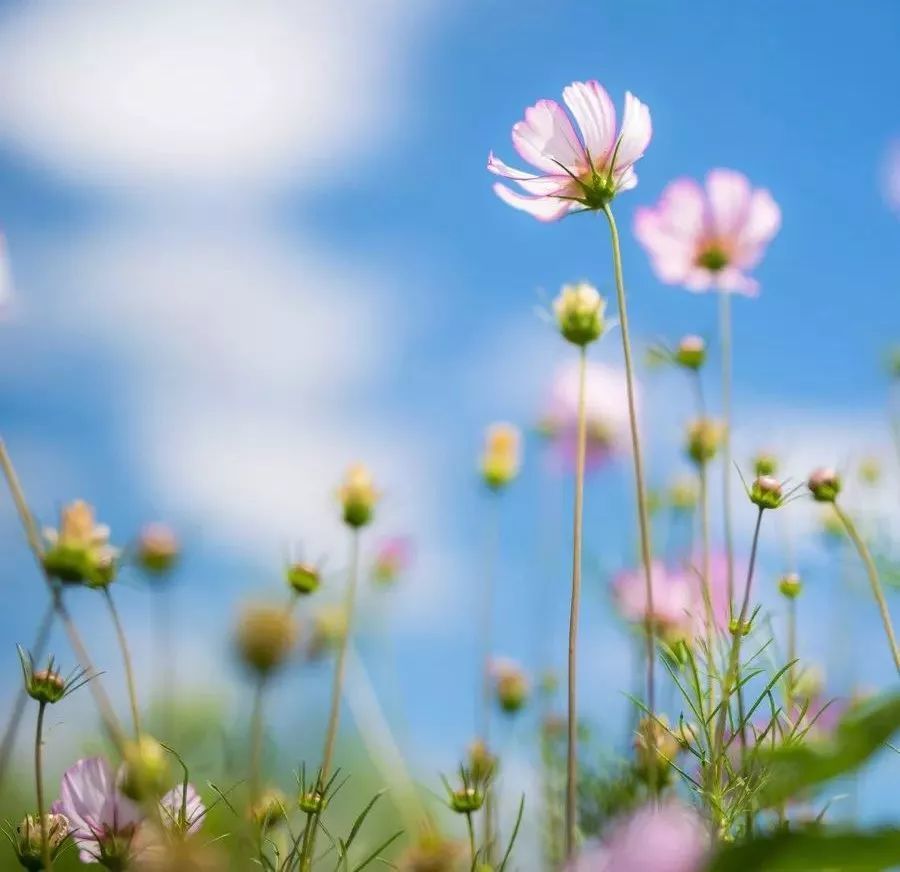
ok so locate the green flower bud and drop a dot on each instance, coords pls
(269, 810)
(303, 578)
(790, 585)
(312, 802)
(145, 769)
(579, 311)
(766, 493)
(466, 800)
(824, 484)
(765, 464)
(46, 686)
(691, 352)
(704, 439)
(358, 496)
(265, 637)
(158, 549)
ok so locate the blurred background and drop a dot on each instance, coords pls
(249, 244)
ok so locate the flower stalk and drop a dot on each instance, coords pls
(39, 785)
(725, 347)
(126, 660)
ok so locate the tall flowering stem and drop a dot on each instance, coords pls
(578, 519)
(640, 488)
(39, 785)
(256, 740)
(341, 665)
(126, 660)
(15, 716)
(872, 572)
(34, 541)
(725, 348)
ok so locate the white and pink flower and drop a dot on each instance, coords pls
(709, 237)
(577, 170)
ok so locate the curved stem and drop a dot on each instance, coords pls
(472, 848)
(338, 684)
(39, 785)
(725, 340)
(578, 518)
(874, 581)
(34, 541)
(126, 659)
(15, 716)
(641, 493)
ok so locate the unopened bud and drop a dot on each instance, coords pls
(158, 549)
(511, 685)
(482, 763)
(704, 438)
(79, 551)
(790, 585)
(312, 802)
(46, 685)
(145, 769)
(329, 627)
(824, 484)
(358, 496)
(269, 810)
(683, 495)
(303, 578)
(870, 471)
(765, 464)
(265, 636)
(766, 493)
(502, 455)
(691, 352)
(738, 627)
(579, 311)
(466, 800)
(29, 839)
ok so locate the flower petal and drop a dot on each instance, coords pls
(763, 222)
(542, 208)
(732, 280)
(635, 134)
(729, 202)
(595, 114)
(547, 140)
(532, 184)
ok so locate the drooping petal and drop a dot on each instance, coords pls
(595, 114)
(542, 208)
(547, 140)
(732, 280)
(635, 134)
(532, 184)
(729, 202)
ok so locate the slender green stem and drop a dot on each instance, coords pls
(792, 652)
(578, 519)
(15, 716)
(874, 581)
(492, 534)
(473, 850)
(256, 741)
(338, 684)
(641, 493)
(725, 342)
(706, 581)
(126, 659)
(39, 785)
(34, 541)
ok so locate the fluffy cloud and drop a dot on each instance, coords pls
(202, 94)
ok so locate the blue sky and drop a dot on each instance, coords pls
(251, 247)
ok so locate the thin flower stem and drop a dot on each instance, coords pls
(15, 716)
(126, 659)
(472, 848)
(874, 581)
(578, 519)
(725, 342)
(643, 517)
(338, 684)
(706, 580)
(487, 625)
(34, 541)
(792, 652)
(256, 741)
(39, 785)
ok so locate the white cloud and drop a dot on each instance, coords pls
(212, 92)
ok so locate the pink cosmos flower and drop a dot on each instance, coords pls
(183, 809)
(392, 558)
(709, 238)
(102, 821)
(669, 837)
(606, 408)
(577, 170)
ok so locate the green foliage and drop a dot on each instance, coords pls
(816, 848)
(797, 766)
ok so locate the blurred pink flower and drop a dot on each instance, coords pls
(669, 837)
(580, 170)
(101, 819)
(183, 809)
(678, 607)
(392, 558)
(709, 238)
(606, 408)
